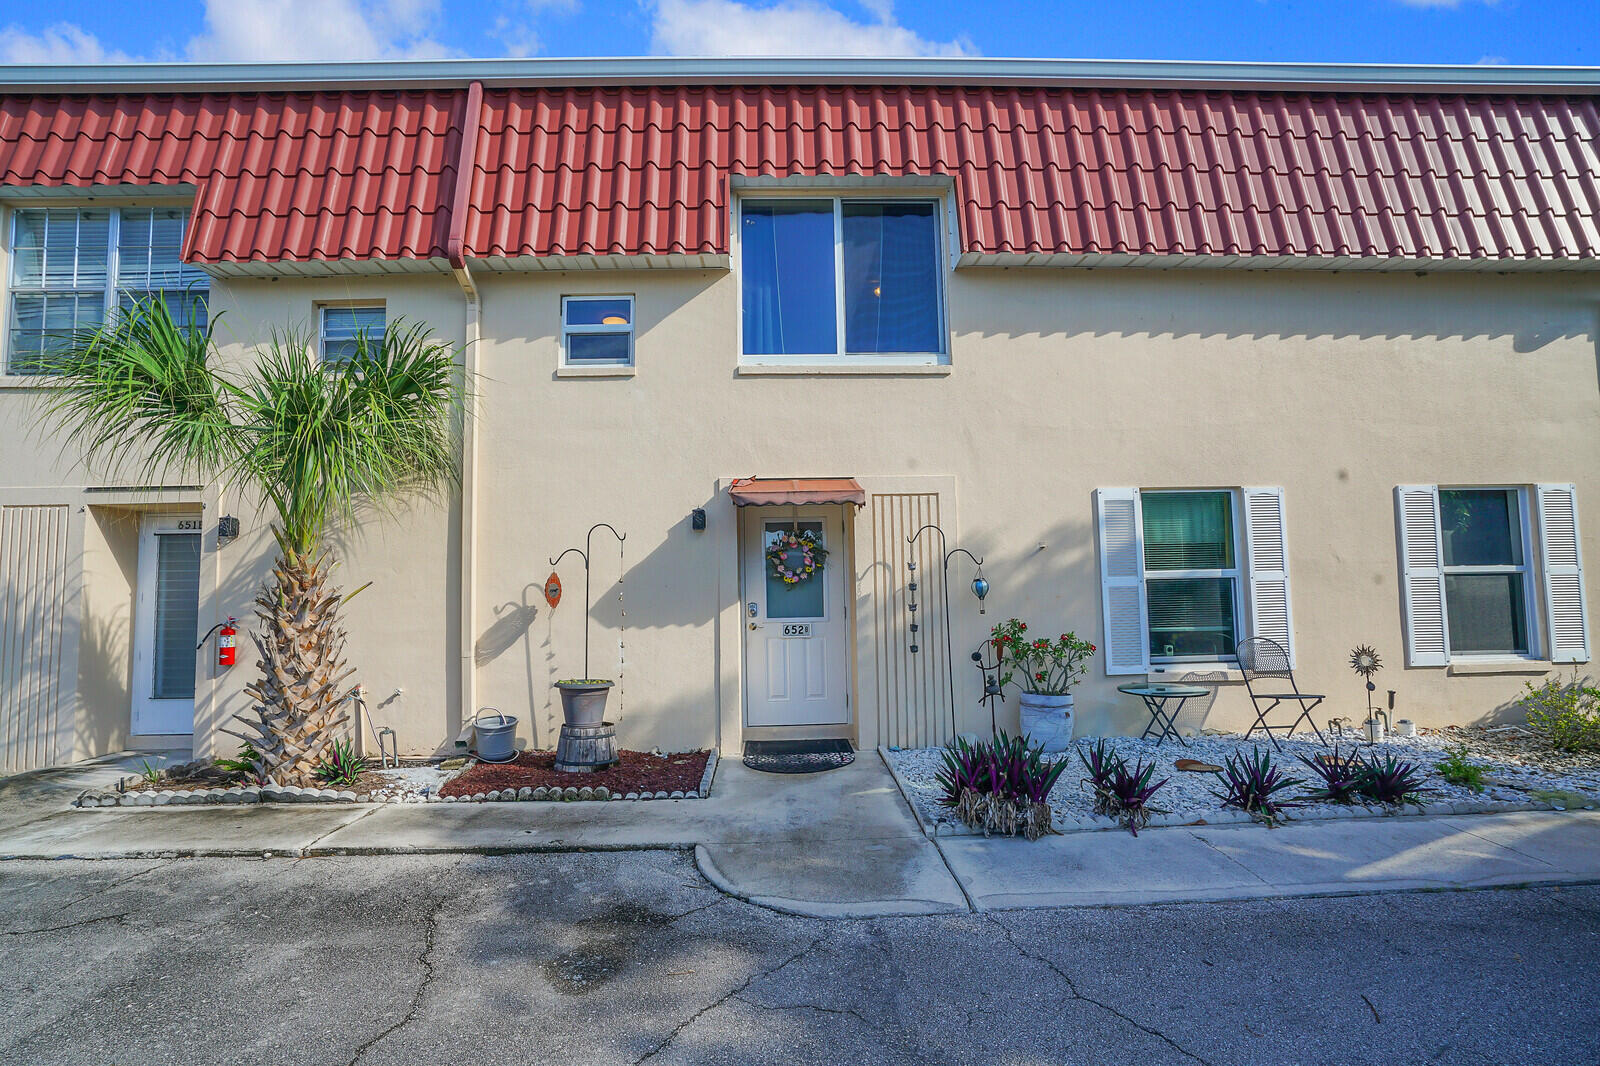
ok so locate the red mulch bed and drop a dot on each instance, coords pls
(639, 771)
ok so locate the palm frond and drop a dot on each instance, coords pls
(326, 439)
(140, 394)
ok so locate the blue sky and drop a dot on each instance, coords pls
(1421, 31)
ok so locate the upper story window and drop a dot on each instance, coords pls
(69, 265)
(597, 330)
(831, 277)
(345, 329)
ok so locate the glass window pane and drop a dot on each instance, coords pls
(343, 329)
(786, 264)
(1486, 613)
(891, 277)
(602, 312)
(77, 248)
(27, 264)
(1192, 617)
(187, 306)
(177, 612)
(803, 600)
(1481, 527)
(592, 348)
(1188, 531)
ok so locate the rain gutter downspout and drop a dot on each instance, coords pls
(455, 247)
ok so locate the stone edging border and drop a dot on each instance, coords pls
(295, 794)
(1089, 823)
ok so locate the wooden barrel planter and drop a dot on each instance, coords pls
(583, 749)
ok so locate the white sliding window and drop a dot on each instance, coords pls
(71, 265)
(841, 277)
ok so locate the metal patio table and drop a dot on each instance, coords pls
(1155, 698)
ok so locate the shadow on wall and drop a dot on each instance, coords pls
(105, 661)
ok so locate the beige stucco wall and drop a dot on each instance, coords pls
(1335, 386)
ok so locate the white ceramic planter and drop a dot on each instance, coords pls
(1047, 720)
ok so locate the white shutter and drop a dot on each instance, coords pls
(1562, 562)
(1126, 648)
(1267, 553)
(1422, 574)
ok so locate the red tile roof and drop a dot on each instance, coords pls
(1055, 171)
(298, 176)
(366, 173)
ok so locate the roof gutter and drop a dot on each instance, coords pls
(656, 70)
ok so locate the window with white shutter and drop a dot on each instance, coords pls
(1125, 647)
(1562, 563)
(1186, 574)
(1422, 574)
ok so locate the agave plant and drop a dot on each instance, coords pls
(1253, 784)
(1340, 776)
(341, 766)
(145, 395)
(1391, 782)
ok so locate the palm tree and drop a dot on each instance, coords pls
(312, 441)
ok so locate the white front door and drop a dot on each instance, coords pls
(795, 634)
(166, 624)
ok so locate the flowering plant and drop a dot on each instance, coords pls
(1038, 664)
(796, 556)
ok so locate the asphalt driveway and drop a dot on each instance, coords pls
(631, 957)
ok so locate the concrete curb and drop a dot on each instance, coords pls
(809, 909)
(929, 830)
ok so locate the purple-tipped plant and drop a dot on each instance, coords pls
(1254, 785)
(1101, 762)
(1131, 790)
(1391, 782)
(1002, 785)
(1340, 776)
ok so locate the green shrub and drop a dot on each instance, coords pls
(1455, 769)
(1567, 715)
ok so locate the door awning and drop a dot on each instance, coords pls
(756, 491)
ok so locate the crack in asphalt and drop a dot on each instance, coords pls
(116, 884)
(732, 994)
(857, 1015)
(425, 960)
(1072, 987)
(118, 918)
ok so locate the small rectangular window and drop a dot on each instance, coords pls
(346, 329)
(1485, 570)
(1191, 562)
(597, 330)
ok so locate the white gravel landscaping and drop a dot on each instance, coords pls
(1187, 797)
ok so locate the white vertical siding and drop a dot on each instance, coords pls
(913, 690)
(33, 618)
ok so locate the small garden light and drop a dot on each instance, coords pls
(980, 589)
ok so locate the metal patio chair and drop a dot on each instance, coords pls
(1266, 674)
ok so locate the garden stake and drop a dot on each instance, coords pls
(945, 589)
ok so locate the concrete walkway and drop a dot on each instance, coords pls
(840, 844)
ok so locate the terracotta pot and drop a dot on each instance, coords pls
(584, 703)
(1047, 720)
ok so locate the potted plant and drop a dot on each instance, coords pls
(1044, 672)
(583, 700)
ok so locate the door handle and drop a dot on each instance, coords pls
(752, 608)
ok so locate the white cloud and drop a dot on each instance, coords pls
(519, 33)
(60, 43)
(789, 27)
(1491, 61)
(1443, 3)
(245, 30)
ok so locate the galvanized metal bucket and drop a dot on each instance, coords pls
(496, 733)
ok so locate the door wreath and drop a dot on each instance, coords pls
(796, 556)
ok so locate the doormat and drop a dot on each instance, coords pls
(797, 756)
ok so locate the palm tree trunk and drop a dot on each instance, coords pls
(300, 696)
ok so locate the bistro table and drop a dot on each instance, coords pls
(1156, 698)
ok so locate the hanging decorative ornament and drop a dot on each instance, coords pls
(552, 589)
(796, 556)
